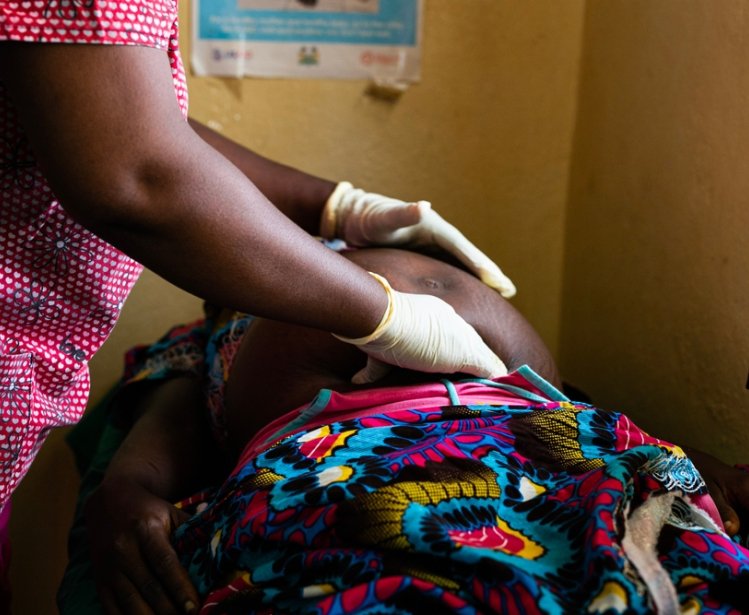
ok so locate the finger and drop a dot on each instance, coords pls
(739, 496)
(480, 360)
(385, 220)
(179, 516)
(374, 371)
(128, 599)
(453, 241)
(728, 515)
(166, 567)
(108, 602)
(493, 277)
(143, 593)
(116, 572)
(486, 364)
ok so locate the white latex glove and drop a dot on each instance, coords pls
(365, 218)
(424, 333)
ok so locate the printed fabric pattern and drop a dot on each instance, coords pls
(522, 507)
(203, 349)
(61, 287)
(513, 508)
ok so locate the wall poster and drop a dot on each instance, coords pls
(345, 39)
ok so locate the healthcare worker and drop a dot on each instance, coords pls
(101, 174)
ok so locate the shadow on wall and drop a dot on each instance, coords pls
(655, 285)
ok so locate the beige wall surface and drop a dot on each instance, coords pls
(656, 293)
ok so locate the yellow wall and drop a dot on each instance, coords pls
(656, 294)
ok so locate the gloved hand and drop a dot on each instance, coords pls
(365, 218)
(423, 333)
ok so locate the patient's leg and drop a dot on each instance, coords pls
(280, 366)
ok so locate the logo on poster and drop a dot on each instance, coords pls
(378, 58)
(308, 56)
(219, 55)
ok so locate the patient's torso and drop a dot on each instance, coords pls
(279, 367)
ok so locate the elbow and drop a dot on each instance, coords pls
(113, 200)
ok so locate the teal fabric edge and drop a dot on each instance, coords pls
(550, 392)
(542, 384)
(316, 407)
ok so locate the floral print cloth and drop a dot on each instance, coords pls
(472, 496)
(521, 507)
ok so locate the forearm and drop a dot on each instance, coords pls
(121, 159)
(169, 450)
(206, 228)
(130, 517)
(298, 195)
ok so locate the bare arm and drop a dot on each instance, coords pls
(130, 517)
(107, 131)
(361, 218)
(298, 195)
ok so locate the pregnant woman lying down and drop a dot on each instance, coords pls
(302, 492)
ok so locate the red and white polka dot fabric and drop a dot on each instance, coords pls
(61, 287)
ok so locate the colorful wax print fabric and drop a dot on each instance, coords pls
(204, 349)
(529, 505)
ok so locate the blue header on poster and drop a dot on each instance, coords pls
(395, 24)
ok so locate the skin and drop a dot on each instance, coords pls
(298, 195)
(728, 486)
(130, 517)
(311, 360)
(109, 136)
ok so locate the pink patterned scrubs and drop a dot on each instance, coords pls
(61, 287)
